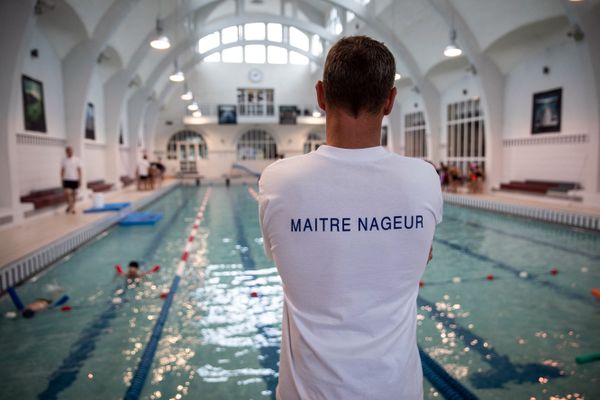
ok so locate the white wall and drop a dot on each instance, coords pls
(47, 69)
(557, 160)
(95, 162)
(217, 83)
(38, 160)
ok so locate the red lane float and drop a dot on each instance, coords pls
(554, 271)
(596, 293)
(490, 277)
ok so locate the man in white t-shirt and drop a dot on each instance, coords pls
(350, 228)
(143, 169)
(70, 173)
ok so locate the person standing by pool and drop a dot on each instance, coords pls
(70, 174)
(350, 228)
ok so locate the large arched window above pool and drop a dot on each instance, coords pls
(261, 43)
(256, 144)
(186, 145)
(313, 141)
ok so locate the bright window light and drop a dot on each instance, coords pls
(276, 55)
(214, 57)
(275, 32)
(233, 55)
(297, 58)
(255, 54)
(350, 16)
(254, 31)
(229, 35)
(208, 42)
(298, 39)
(316, 47)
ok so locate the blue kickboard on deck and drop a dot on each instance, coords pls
(107, 207)
(140, 218)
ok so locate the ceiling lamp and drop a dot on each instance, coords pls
(397, 77)
(197, 114)
(187, 96)
(160, 41)
(452, 50)
(193, 106)
(177, 75)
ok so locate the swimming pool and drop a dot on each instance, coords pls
(514, 336)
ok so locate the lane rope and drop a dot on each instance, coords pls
(143, 369)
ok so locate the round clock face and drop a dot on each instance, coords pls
(255, 75)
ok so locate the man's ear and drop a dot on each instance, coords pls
(320, 89)
(389, 103)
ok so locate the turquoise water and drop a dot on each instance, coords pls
(510, 337)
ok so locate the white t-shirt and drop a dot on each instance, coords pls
(143, 167)
(350, 232)
(70, 166)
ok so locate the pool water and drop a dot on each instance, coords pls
(515, 336)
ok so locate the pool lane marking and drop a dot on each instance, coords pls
(449, 387)
(66, 374)
(516, 271)
(138, 380)
(526, 238)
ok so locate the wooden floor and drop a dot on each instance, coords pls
(39, 231)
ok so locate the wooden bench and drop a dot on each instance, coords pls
(45, 197)
(99, 186)
(126, 180)
(540, 187)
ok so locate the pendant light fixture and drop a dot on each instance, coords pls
(452, 50)
(177, 75)
(187, 94)
(160, 41)
(197, 114)
(193, 106)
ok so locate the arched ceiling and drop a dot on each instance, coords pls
(506, 30)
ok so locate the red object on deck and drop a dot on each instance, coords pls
(66, 308)
(490, 277)
(554, 271)
(421, 284)
(253, 294)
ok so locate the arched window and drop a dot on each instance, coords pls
(186, 146)
(313, 141)
(256, 144)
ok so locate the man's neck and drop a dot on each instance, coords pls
(345, 131)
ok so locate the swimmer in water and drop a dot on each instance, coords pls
(133, 271)
(37, 306)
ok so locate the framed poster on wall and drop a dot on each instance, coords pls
(546, 113)
(227, 114)
(90, 130)
(33, 104)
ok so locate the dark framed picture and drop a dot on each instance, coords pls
(227, 114)
(121, 141)
(288, 115)
(90, 129)
(546, 114)
(33, 104)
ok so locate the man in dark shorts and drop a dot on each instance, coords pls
(70, 174)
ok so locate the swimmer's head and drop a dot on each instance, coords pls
(134, 264)
(28, 313)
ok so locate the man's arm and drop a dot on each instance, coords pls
(263, 203)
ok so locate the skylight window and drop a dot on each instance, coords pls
(275, 32)
(298, 39)
(229, 35)
(277, 55)
(254, 31)
(316, 47)
(334, 24)
(255, 54)
(208, 42)
(233, 55)
(298, 59)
